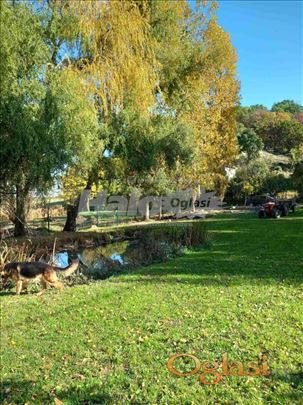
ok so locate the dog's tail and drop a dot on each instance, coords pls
(67, 271)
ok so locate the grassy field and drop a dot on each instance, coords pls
(109, 342)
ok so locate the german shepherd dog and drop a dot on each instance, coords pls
(24, 272)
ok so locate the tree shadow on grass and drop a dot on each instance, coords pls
(295, 381)
(218, 267)
(27, 391)
(20, 392)
(6, 292)
(243, 251)
(12, 291)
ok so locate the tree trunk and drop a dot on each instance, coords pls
(72, 210)
(160, 207)
(88, 187)
(85, 204)
(220, 186)
(71, 219)
(146, 215)
(194, 197)
(20, 212)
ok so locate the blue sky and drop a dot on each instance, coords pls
(268, 36)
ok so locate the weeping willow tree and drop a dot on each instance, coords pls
(117, 53)
(143, 56)
(116, 58)
(139, 55)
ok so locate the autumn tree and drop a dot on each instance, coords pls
(169, 57)
(214, 117)
(198, 82)
(115, 56)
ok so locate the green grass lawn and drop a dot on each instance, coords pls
(109, 342)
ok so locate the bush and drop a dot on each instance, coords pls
(167, 240)
(199, 235)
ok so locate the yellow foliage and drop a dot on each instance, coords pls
(213, 96)
(127, 62)
(122, 65)
(72, 184)
(247, 188)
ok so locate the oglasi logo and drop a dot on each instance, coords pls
(253, 368)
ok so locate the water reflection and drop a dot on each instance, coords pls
(105, 260)
(61, 259)
(118, 258)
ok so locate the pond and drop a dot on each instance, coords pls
(102, 261)
(146, 246)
